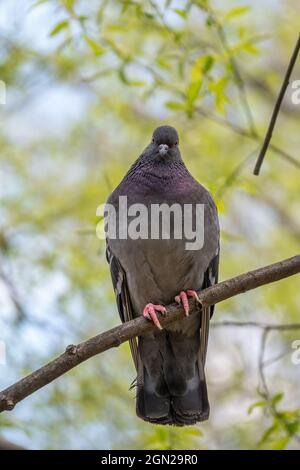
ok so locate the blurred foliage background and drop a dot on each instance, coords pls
(87, 82)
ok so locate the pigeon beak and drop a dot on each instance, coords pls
(163, 149)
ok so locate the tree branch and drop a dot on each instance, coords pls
(284, 86)
(7, 445)
(75, 355)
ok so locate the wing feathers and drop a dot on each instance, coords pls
(118, 277)
(210, 278)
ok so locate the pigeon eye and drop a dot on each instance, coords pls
(176, 143)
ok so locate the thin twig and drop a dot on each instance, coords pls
(288, 222)
(244, 133)
(238, 79)
(256, 324)
(284, 86)
(272, 360)
(235, 68)
(262, 376)
(234, 174)
(265, 392)
(20, 311)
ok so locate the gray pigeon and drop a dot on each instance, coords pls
(148, 273)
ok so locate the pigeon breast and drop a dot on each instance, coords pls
(157, 269)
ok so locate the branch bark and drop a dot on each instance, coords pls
(7, 445)
(75, 355)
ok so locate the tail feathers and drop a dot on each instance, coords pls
(192, 407)
(157, 405)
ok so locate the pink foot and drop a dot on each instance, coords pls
(182, 298)
(150, 314)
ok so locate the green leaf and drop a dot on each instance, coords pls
(280, 444)
(115, 27)
(128, 81)
(94, 45)
(131, 82)
(244, 46)
(180, 67)
(248, 47)
(148, 15)
(201, 67)
(257, 404)
(293, 427)
(218, 89)
(175, 105)
(69, 4)
(138, 10)
(181, 12)
(122, 76)
(208, 63)
(268, 433)
(37, 3)
(59, 27)
(234, 12)
(210, 21)
(162, 63)
(82, 18)
(193, 91)
(277, 398)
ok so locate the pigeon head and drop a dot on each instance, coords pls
(165, 143)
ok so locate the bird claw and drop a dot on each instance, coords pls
(182, 298)
(150, 314)
(194, 294)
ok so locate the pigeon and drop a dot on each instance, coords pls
(150, 272)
